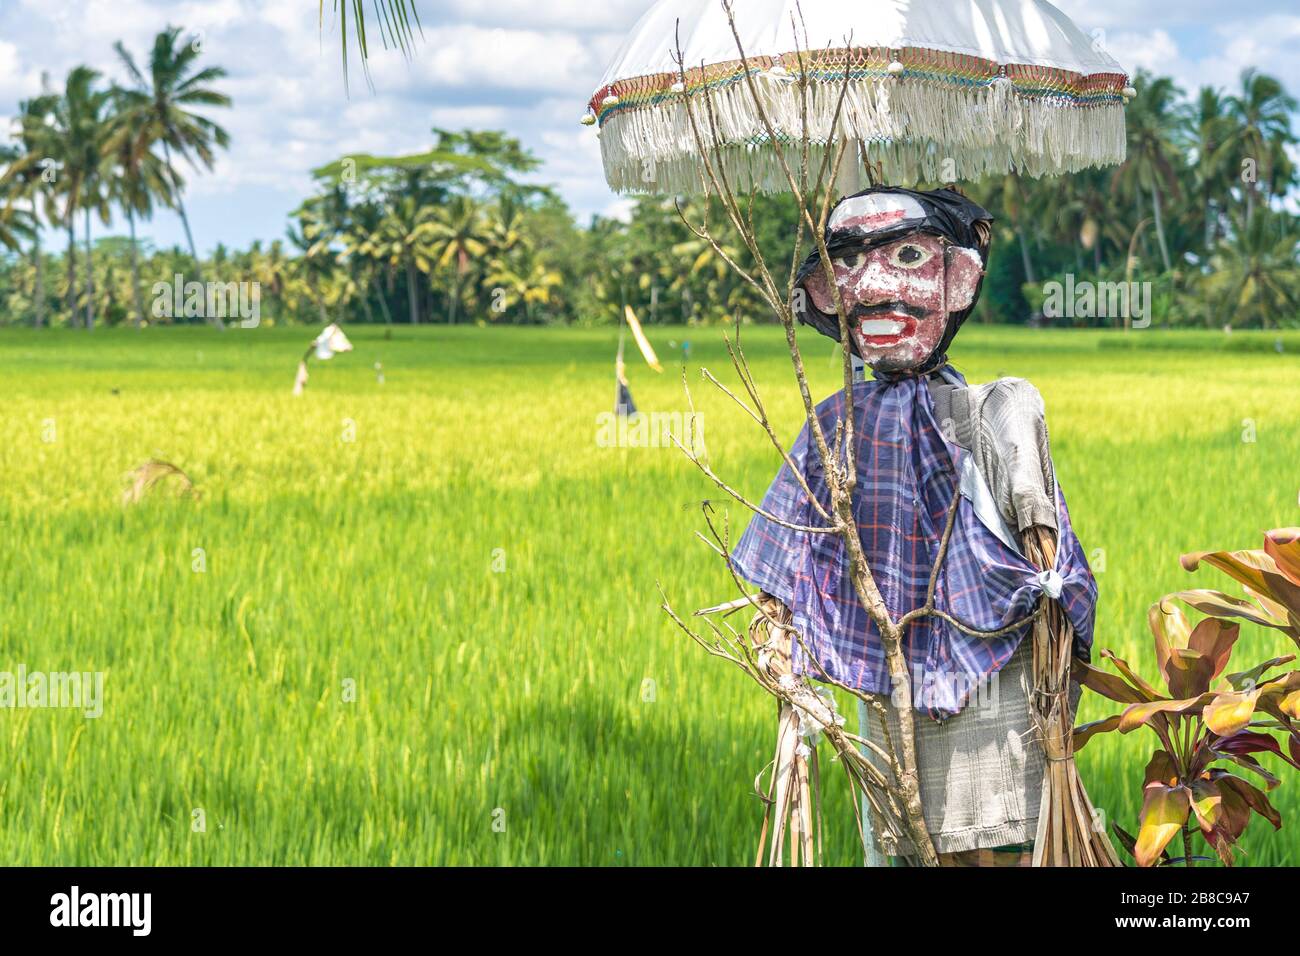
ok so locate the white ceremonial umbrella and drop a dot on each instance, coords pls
(938, 91)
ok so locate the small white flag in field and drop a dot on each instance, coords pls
(325, 346)
(330, 341)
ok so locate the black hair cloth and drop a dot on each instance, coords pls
(944, 213)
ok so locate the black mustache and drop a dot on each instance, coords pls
(883, 308)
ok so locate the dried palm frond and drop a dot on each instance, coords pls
(1069, 830)
(806, 715)
(144, 478)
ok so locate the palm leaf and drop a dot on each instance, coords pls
(398, 22)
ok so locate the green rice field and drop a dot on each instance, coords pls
(417, 621)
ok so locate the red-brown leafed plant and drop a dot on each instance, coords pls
(1211, 721)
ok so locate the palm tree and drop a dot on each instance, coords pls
(1262, 114)
(458, 240)
(366, 269)
(29, 182)
(74, 133)
(1017, 199)
(1084, 215)
(402, 241)
(140, 176)
(274, 272)
(1209, 127)
(395, 18)
(505, 230)
(1154, 124)
(16, 225)
(160, 106)
(523, 280)
(316, 267)
(1254, 281)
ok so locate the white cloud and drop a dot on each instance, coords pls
(16, 82)
(1155, 51)
(1128, 16)
(1271, 44)
(571, 16)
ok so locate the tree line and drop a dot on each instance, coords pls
(94, 147)
(462, 232)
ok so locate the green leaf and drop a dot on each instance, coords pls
(1127, 840)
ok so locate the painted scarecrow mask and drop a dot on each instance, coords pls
(908, 266)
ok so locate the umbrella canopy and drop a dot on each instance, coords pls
(938, 91)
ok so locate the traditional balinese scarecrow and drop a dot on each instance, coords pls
(908, 266)
(915, 549)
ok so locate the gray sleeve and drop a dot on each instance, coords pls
(1011, 447)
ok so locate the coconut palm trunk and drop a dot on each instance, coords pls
(185, 220)
(38, 297)
(412, 297)
(90, 277)
(1160, 226)
(1025, 258)
(71, 297)
(383, 305)
(189, 236)
(135, 271)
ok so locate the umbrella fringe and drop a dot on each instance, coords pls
(893, 128)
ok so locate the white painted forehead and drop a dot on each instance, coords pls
(875, 211)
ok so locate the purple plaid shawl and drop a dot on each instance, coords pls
(907, 476)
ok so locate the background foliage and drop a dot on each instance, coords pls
(1203, 210)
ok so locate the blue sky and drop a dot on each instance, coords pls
(527, 66)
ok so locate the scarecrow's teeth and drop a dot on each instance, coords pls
(881, 327)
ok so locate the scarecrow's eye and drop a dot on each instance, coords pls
(851, 262)
(909, 256)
